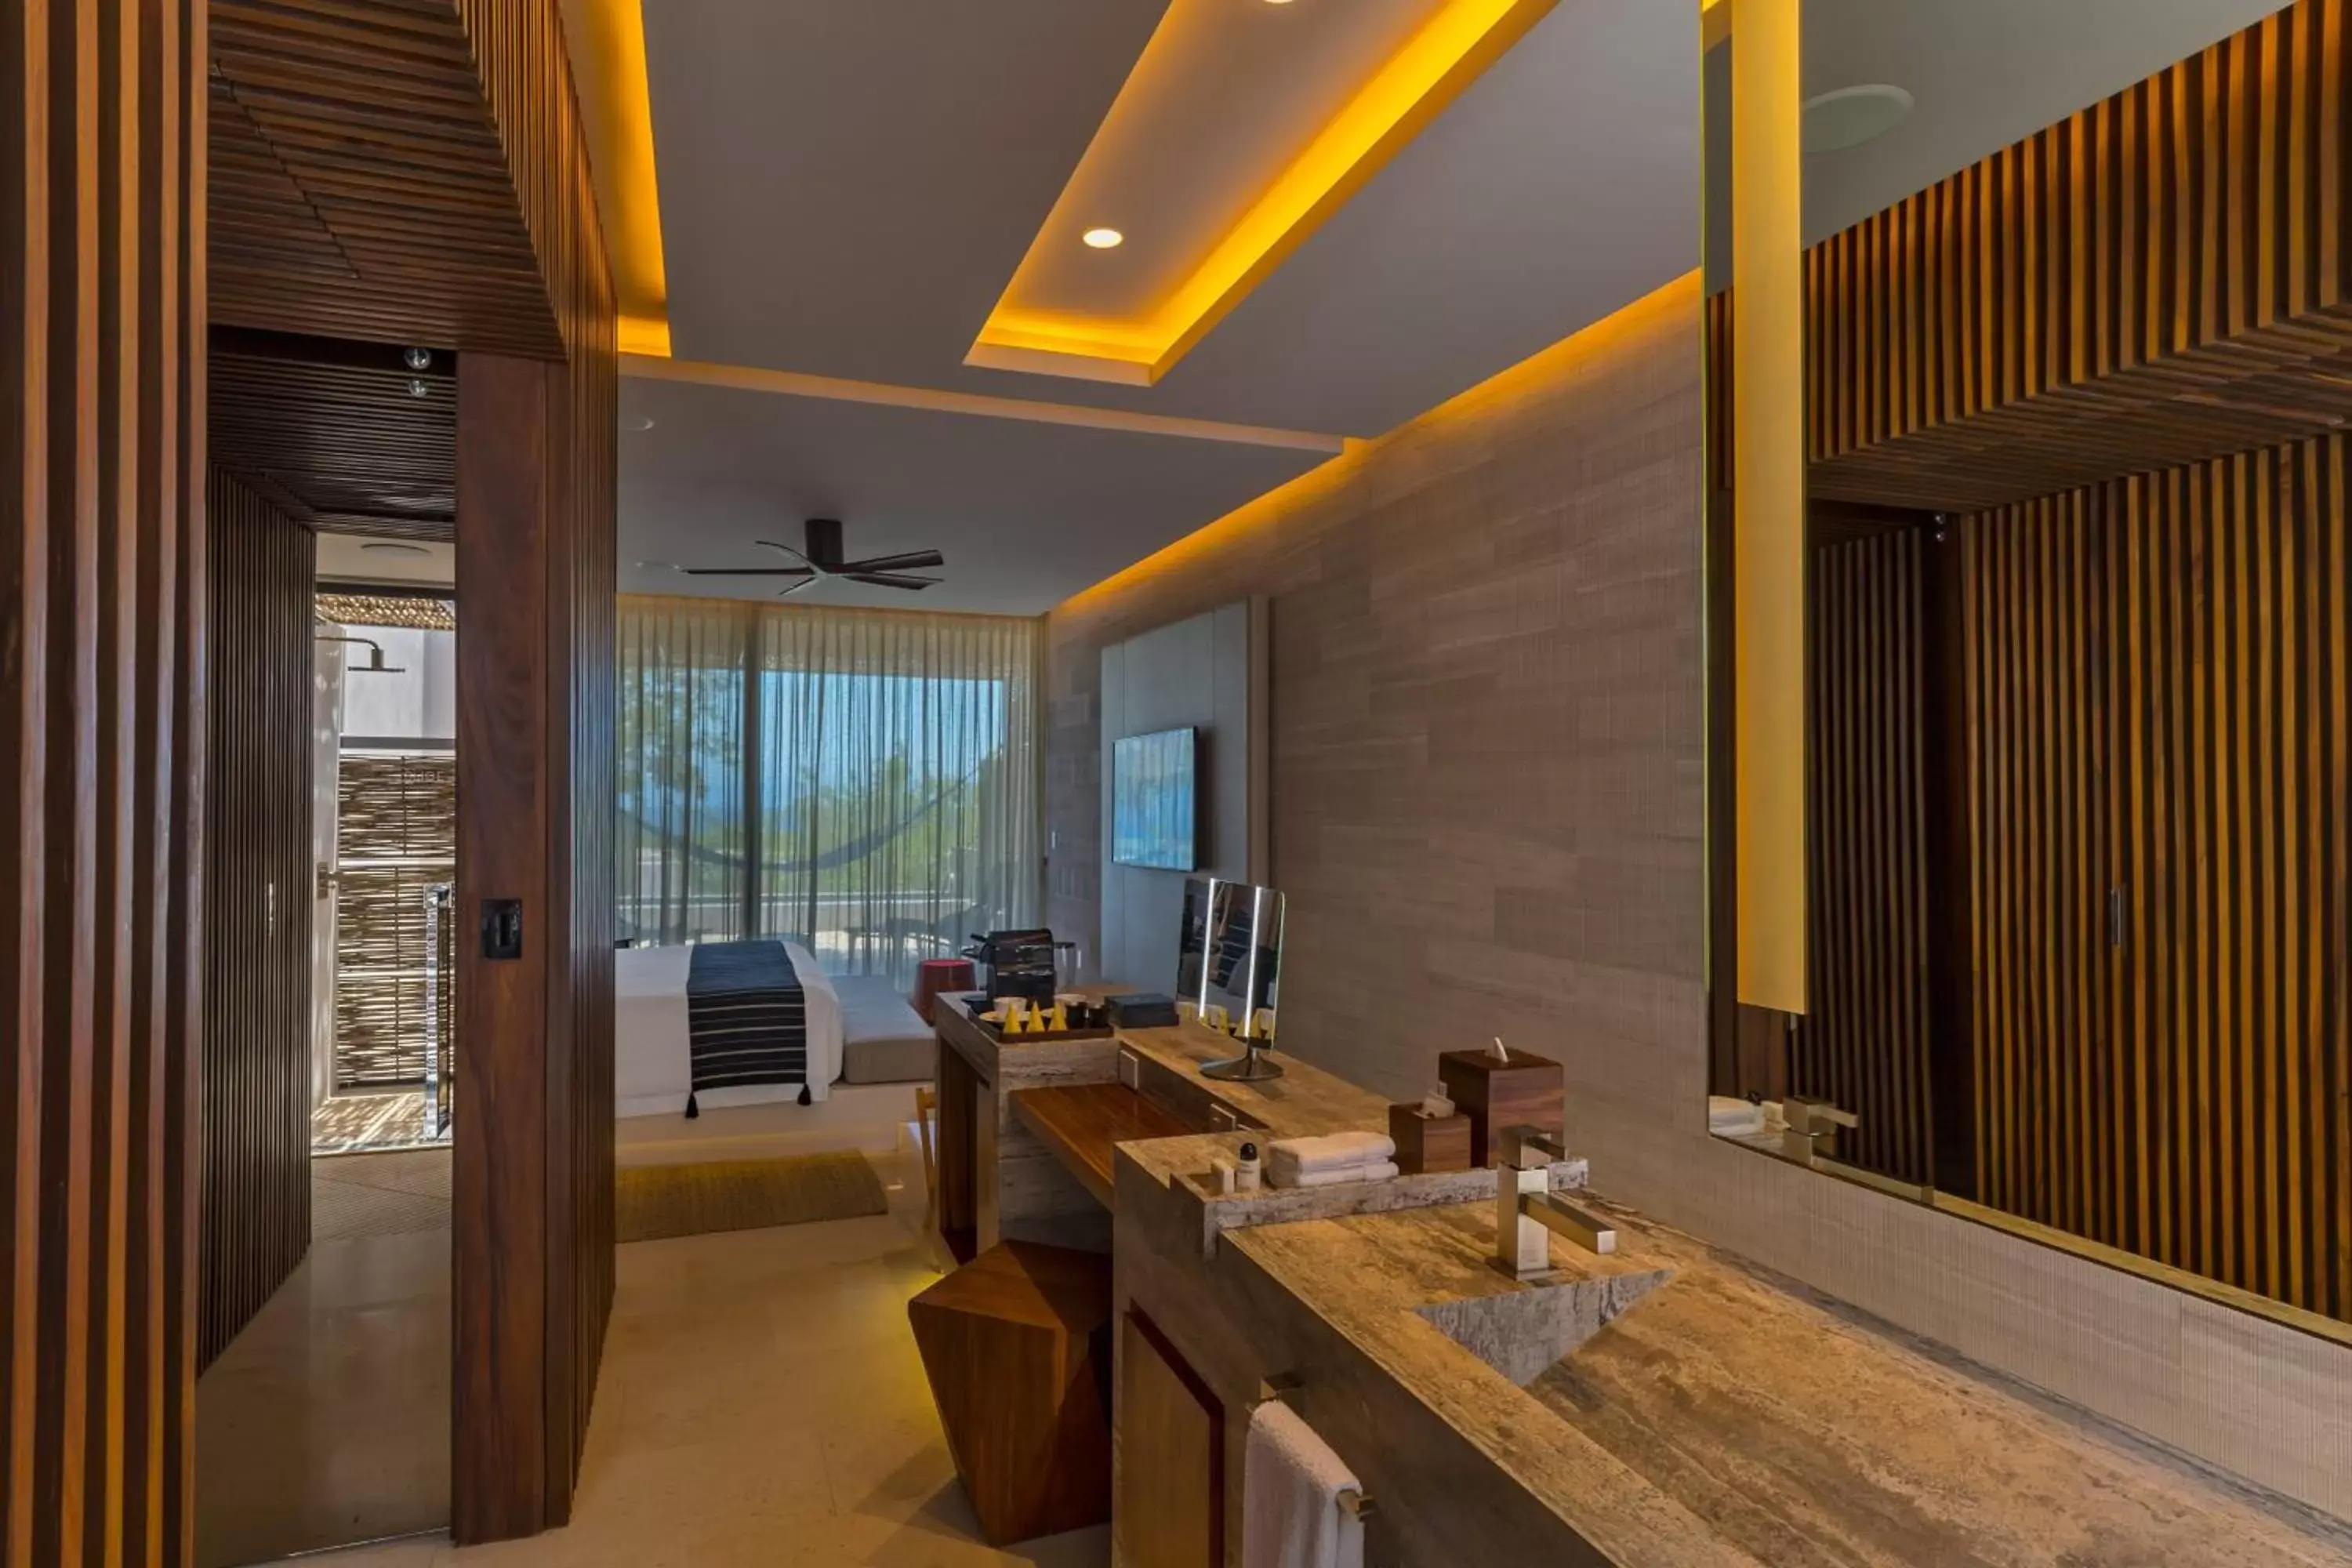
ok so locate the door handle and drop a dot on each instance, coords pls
(2118, 924)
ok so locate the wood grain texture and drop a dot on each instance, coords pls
(1008, 1342)
(384, 170)
(103, 608)
(2155, 280)
(1083, 1123)
(534, 1218)
(1864, 1042)
(1170, 1509)
(2157, 670)
(332, 433)
(257, 1057)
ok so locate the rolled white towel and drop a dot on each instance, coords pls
(1337, 1175)
(1331, 1151)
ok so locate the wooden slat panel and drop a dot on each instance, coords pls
(343, 448)
(2159, 668)
(377, 173)
(536, 489)
(2153, 281)
(257, 1203)
(1864, 1042)
(102, 591)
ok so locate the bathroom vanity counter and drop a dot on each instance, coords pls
(1045, 1176)
(1716, 1416)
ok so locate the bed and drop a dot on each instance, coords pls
(652, 1051)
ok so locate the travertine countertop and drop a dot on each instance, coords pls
(1723, 1417)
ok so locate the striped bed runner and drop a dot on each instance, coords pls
(747, 1017)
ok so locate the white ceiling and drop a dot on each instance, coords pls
(1983, 74)
(848, 185)
(1025, 513)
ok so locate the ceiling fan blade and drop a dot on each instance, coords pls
(913, 561)
(787, 550)
(889, 579)
(746, 571)
(811, 577)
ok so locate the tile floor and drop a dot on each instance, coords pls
(761, 1404)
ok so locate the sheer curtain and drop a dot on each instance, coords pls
(864, 782)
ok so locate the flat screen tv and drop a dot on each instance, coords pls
(1154, 808)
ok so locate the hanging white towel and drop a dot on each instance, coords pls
(1330, 1149)
(1332, 1176)
(1291, 1483)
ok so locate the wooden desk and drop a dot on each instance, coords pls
(1082, 1123)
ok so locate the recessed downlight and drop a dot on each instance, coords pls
(1103, 238)
(1854, 115)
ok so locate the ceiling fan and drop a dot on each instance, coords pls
(821, 559)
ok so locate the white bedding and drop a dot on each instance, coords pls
(653, 1069)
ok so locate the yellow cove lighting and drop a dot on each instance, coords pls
(607, 44)
(1449, 52)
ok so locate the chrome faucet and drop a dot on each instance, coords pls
(1525, 1208)
(1812, 1128)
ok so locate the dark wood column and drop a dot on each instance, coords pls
(534, 1131)
(102, 609)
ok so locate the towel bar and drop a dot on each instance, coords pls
(1280, 1387)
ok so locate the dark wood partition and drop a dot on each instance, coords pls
(102, 650)
(2158, 668)
(256, 928)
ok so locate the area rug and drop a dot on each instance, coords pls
(354, 1196)
(652, 1202)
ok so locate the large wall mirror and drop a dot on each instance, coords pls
(2069, 947)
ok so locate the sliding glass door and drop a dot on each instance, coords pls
(863, 783)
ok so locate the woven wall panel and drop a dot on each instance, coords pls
(2160, 278)
(383, 610)
(396, 836)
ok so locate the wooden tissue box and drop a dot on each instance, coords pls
(1425, 1143)
(1526, 1092)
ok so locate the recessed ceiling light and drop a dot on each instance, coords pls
(1853, 115)
(1103, 238)
(387, 547)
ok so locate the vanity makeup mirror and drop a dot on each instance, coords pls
(1229, 963)
(2048, 922)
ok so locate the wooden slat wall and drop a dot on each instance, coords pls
(2160, 278)
(346, 448)
(368, 159)
(1864, 1042)
(257, 932)
(2161, 666)
(536, 499)
(103, 594)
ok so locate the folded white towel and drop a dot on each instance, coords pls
(1332, 1149)
(1379, 1171)
(1291, 1483)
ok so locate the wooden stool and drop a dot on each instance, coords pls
(1016, 1346)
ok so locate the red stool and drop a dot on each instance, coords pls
(940, 976)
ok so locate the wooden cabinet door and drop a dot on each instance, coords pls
(1170, 1509)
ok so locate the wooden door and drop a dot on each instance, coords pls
(1169, 1512)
